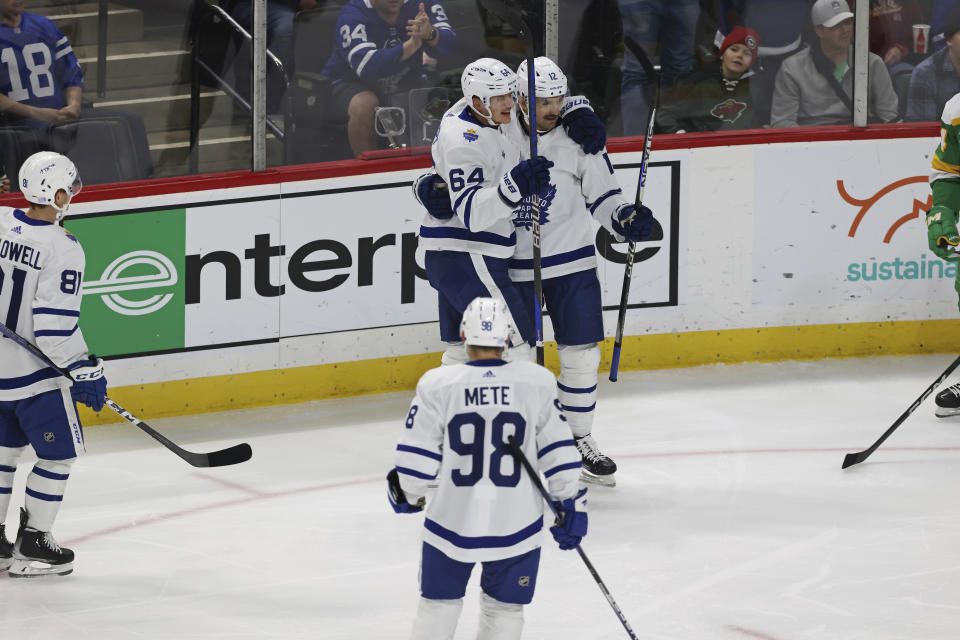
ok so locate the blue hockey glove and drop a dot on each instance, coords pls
(527, 178)
(89, 383)
(570, 530)
(635, 226)
(431, 191)
(398, 499)
(586, 129)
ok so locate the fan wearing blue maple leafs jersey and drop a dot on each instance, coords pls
(380, 52)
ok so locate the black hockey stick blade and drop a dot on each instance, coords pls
(856, 458)
(231, 455)
(224, 457)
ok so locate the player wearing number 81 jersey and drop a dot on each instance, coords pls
(485, 509)
(41, 274)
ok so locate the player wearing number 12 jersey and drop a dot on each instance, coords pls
(486, 508)
(41, 273)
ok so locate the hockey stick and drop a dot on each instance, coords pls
(518, 454)
(231, 455)
(651, 74)
(856, 458)
(512, 16)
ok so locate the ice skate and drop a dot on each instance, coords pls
(948, 402)
(6, 551)
(36, 553)
(597, 468)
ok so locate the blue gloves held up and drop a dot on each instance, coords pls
(89, 383)
(569, 530)
(431, 191)
(633, 224)
(527, 178)
(586, 129)
(397, 498)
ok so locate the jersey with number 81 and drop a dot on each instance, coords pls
(41, 276)
(455, 433)
(38, 63)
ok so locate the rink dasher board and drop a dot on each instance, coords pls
(274, 287)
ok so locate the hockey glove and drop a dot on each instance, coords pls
(89, 383)
(571, 528)
(942, 233)
(635, 226)
(398, 499)
(586, 129)
(527, 178)
(431, 191)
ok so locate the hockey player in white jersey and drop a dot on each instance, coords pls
(467, 254)
(41, 273)
(582, 185)
(485, 509)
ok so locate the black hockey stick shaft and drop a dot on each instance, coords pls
(512, 16)
(232, 455)
(535, 478)
(856, 458)
(652, 76)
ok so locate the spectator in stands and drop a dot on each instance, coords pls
(936, 79)
(383, 48)
(779, 26)
(666, 26)
(814, 86)
(938, 19)
(891, 28)
(718, 97)
(43, 83)
(280, 15)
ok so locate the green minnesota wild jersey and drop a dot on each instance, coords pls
(946, 159)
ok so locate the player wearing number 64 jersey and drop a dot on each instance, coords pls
(41, 272)
(486, 508)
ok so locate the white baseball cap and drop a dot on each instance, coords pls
(830, 13)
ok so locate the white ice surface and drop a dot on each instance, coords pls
(731, 519)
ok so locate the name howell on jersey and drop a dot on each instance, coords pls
(20, 253)
(43, 257)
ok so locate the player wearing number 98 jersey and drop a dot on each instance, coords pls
(38, 62)
(41, 274)
(486, 508)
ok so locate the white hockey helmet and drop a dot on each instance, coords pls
(486, 78)
(45, 173)
(487, 323)
(549, 80)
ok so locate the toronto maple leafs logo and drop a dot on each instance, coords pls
(523, 215)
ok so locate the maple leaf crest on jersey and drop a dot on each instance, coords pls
(523, 215)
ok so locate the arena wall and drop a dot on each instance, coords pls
(240, 290)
